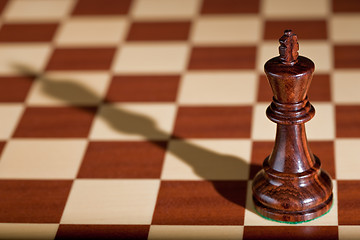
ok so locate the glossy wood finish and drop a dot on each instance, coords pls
(291, 187)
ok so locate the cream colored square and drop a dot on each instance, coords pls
(296, 9)
(262, 127)
(10, 115)
(28, 231)
(217, 88)
(227, 30)
(69, 88)
(42, 159)
(133, 122)
(220, 159)
(349, 232)
(320, 52)
(151, 58)
(92, 31)
(322, 126)
(166, 9)
(111, 202)
(32, 56)
(158, 232)
(346, 158)
(345, 86)
(35, 10)
(345, 28)
(254, 219)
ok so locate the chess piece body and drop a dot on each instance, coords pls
(291, 187)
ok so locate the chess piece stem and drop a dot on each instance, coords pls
(291, 187)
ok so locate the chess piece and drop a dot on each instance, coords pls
(291, 187)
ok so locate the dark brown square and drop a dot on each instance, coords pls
(29, 201)
(222, 58)
(81, 59)
(260, 151)
(14, 89)
(346, 6)
(2, 145)
(324, 150)
(305, 29)
(2, 5)
(82, 232)
(200, 203)
(159, 31)
(229, 6)
(264, 91)
(290, 232)
(143, 89)
(347, 121)
(17, 32)
(348, 202)
(347, 56)
(60, 122)
(213, 122)
(103, 7)
(320, 89)
(123, 160)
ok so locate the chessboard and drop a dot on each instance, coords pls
(145, 119)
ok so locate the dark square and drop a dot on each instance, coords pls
(348, 202)
(324, 150)
(123, 160)
(230, 6)
(260, 151)
(159, 31)
(14, 89)
(121, 232)
(264, 91)
(213, 122)
(347, 121)
(143, 89)
(200, 203)
(346, 6)
(347, 56)
(305, 29)
(30, 201)
(103, 7)
(320, 89)
(81, 59)
(17, 32)
(222, 58)
(59, 122)
(290, 232)
(2, 5)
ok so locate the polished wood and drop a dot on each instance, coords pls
(291, 187)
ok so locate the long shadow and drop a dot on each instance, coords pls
(206, 163)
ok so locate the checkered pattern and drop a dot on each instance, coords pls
(145, 119)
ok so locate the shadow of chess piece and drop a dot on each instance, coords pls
(291, 187)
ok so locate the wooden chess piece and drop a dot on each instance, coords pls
(291, 187)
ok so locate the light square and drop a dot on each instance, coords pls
(25, 231)
(344, 28)
(35, 10)
(217, 88)
(262, 127)
(165, 9)
(10, 116)
(227, 30)
(346, 154)
(151, 58)
(69, 88)
(223, 159)
(13, 57)
(134, 122)
(159, 232)
(111, 202)
(87, 31)
(345, 86)
(349, 232)
(296, 9)
(41, 159)
(253, 219)
(322, 126)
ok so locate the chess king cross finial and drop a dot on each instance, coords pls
(289, 47)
